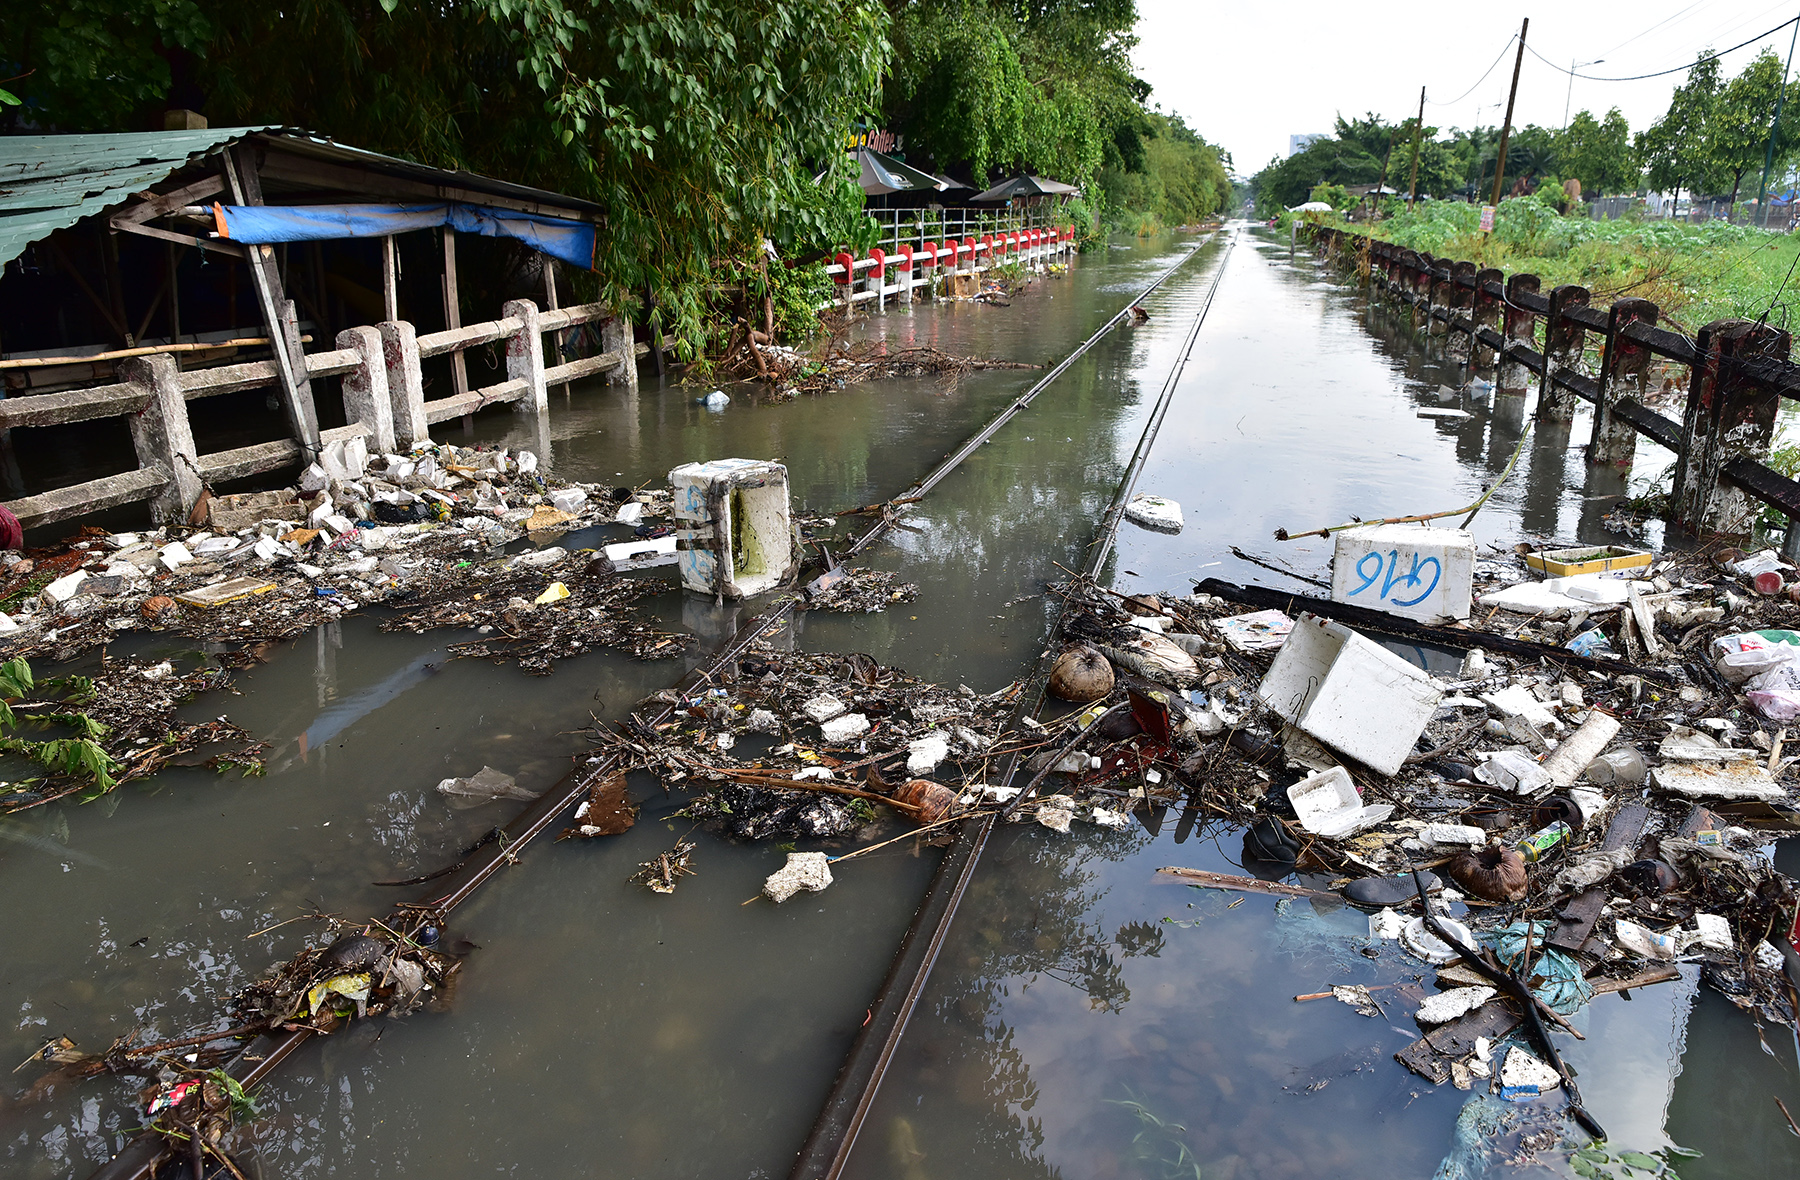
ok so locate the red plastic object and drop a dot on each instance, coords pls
(1768, 582)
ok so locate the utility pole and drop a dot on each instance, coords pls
(1762, 192)
(1506, 128)
(1412, 189)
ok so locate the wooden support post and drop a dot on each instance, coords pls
(551, 304)
(162, 436)
(1621, 376)
(1727, 416)
(1514, 377)
(1486, 314)
(1462, 300)
(459, 367)
(1439, 288)
(277, 311)
(390, 280)
(405, 384)
(366, 396)
(174, 295)
(525, 355)
(615, 336)
(1563, 340)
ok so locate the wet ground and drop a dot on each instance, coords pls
(1086, 1020)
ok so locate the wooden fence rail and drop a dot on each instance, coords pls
(1738, 373)
(384, 403)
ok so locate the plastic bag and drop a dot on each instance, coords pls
(1749, 654)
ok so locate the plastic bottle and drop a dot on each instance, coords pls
(1533, 847)
(1624, 767)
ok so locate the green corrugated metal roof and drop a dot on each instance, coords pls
(49, 182)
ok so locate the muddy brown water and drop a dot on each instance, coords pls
(1086, 1019)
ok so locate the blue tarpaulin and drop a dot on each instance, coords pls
(569, 241)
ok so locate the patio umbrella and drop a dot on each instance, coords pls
(1024, 186)
(884, 174)
(1311, 207)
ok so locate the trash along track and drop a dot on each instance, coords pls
(257, 1060)
(833, 1137)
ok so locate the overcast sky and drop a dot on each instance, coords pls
(1249, 75)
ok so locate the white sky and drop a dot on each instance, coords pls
(1248, 76)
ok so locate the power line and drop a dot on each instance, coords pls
(1483, 78)
(1660, 73)
(1659, 24)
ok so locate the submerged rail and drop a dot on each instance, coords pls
(828, 1146)
(140, 1158)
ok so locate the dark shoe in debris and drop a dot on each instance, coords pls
(1381, 892)
(1268, 842)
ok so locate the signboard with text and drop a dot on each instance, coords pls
(1487, 219)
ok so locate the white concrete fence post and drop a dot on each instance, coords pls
(525, 356)
(366, 397)
(615, 336)
(162, 436)
(405, 384)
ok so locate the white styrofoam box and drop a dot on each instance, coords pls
(641, 554)
(1350, 693)
(1406, 570)
(748, 548)
(1327, 804)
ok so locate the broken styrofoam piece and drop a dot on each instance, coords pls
(1513, 770)
(64, 588)
(1580, 748)
(1523, 1072)
(1516, 700)
(924, 754)
(1577, 592)
(1350, 693)
(762, 721)
(173, 554)
(1712, 931)
(1453, 835)
(1055, 812)
(807, 872)
(844, 728)
(1690, 745)
(1107, 818)
(1328, 805)
(630, 512)
(823, 708)
(1417, 573)
(642, 554)
(1154, 512)
(1731, 780)
(1386, 924)
(1448, 1005)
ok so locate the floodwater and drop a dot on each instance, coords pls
(1085, 1019)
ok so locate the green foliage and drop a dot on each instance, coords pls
(1598, 1161)
(1038, 86)
(94, 64)
(243, 1104)
(1335, 195)
(797, 292)
(1598, 154)
(1183, 180)
(78, 757)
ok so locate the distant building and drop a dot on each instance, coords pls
(1299, 143)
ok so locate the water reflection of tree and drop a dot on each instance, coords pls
(1029, 917)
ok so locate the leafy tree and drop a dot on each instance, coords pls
(1598, 153)
(698, 126)
(1183, 179)
(1674, 150)
(1737, 131)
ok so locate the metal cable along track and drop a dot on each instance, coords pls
(828, 1146)
(140, 1158)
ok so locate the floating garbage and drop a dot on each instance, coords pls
(484, 786)
(804, 872)
(1156, 513)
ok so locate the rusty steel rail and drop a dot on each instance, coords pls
(833, 1136)
(139, 1159)
(1739, 372)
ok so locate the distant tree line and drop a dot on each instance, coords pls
(1714, 135)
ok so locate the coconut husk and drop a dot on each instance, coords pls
(1491, 873)
(1082, 675)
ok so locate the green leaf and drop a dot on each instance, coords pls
(1582, 1167)
(1638, 1159)
(1675, 1149)
(388, 6)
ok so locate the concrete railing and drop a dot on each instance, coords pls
(384, 403)
(1738, 373)
(908, 267)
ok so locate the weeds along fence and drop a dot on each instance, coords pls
(882, 275)
(1738, 374)
(382, 387)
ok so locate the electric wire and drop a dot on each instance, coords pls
(1484, 77)
(1662, 73)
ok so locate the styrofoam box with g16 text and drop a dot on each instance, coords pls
(1418, 573)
